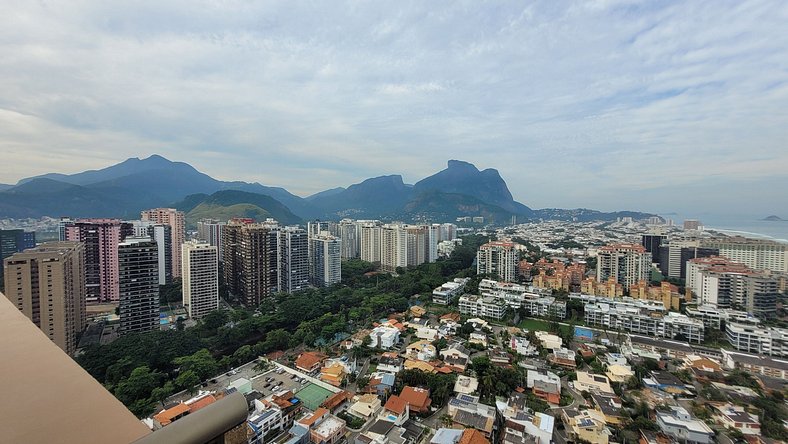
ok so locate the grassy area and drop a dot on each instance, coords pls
(541, 325)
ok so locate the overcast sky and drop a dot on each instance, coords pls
(654, 105)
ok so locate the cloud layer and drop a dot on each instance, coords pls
(610, 104)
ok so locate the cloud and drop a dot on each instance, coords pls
(600, 104)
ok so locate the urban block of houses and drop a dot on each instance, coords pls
(679, 424)
(588, 382)
(467, 411)
(466, 385)
(586, 425)
(549, 341)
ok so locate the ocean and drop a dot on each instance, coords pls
(747, 226)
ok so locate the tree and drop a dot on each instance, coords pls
(138, 386)
(188, 380)
(202, 363)
(160, 394)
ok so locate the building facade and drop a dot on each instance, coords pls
(101, 238)
(47, 284)
(138, 285)
(177, 222)
(627, 264)
(210, 230)
(200, 276)
(498, 259)
(325, 260)
(292, 259)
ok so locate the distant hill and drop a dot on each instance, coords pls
(227, 204)
(774, 218)
(376, 197)
(464, 178)
(122, 190)
(437, 206)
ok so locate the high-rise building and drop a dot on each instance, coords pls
(757, 254)
(722, 283)
(350, 234)
(138, 271)
(101, 238)
(177, 221)
(371, 239)
(316, 227)
(210, 230)
(651, 243)
(627, 264)
(325, 260)
(250, 260)
(162, 234)
(691, 224)
(200, 276)
(47, 284)
(293, 260)
(61, 227)
(393, 247)
(14, 241)
(499, 259)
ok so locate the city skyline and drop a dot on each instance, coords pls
(604, 105)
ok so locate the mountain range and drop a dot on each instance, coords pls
(122, 190)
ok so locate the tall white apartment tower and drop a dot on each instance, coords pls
(498, 258)
(200, 274)
(325, 260)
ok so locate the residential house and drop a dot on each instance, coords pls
(421, 350)
(384, 336)
(472, 436)
(412, 364)
(396, 410)
(615, 359)
(762, 365)
(336, 401)
(418, 311)
(333, 374)
(588, 382)
(520, 425)
(702, 364)
(466, 384)
(165, 417)
(380, 383)
(619, 373)
(417, 398)
(478, 337)
(549, 341)
(523, 346)
(545, 385)
(563, 357)
(366, 406)
(390, 363)
(610, 407)
(736, 417)
(447, 436)
(666, 382)
(587, 425)
(499, 357)
(328, 430)
(456, 356)
(308, 362)
(680, 425)
(467, 411)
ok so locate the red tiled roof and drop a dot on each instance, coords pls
(396, 404)
(473, 436)
(309, 360)
(417, 398)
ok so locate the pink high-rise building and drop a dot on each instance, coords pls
(101, 238)
(177, 222)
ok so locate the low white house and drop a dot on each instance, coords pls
(384, 336)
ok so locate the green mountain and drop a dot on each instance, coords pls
(227, 204)
(437, 206)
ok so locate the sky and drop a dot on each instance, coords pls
(655, 106)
